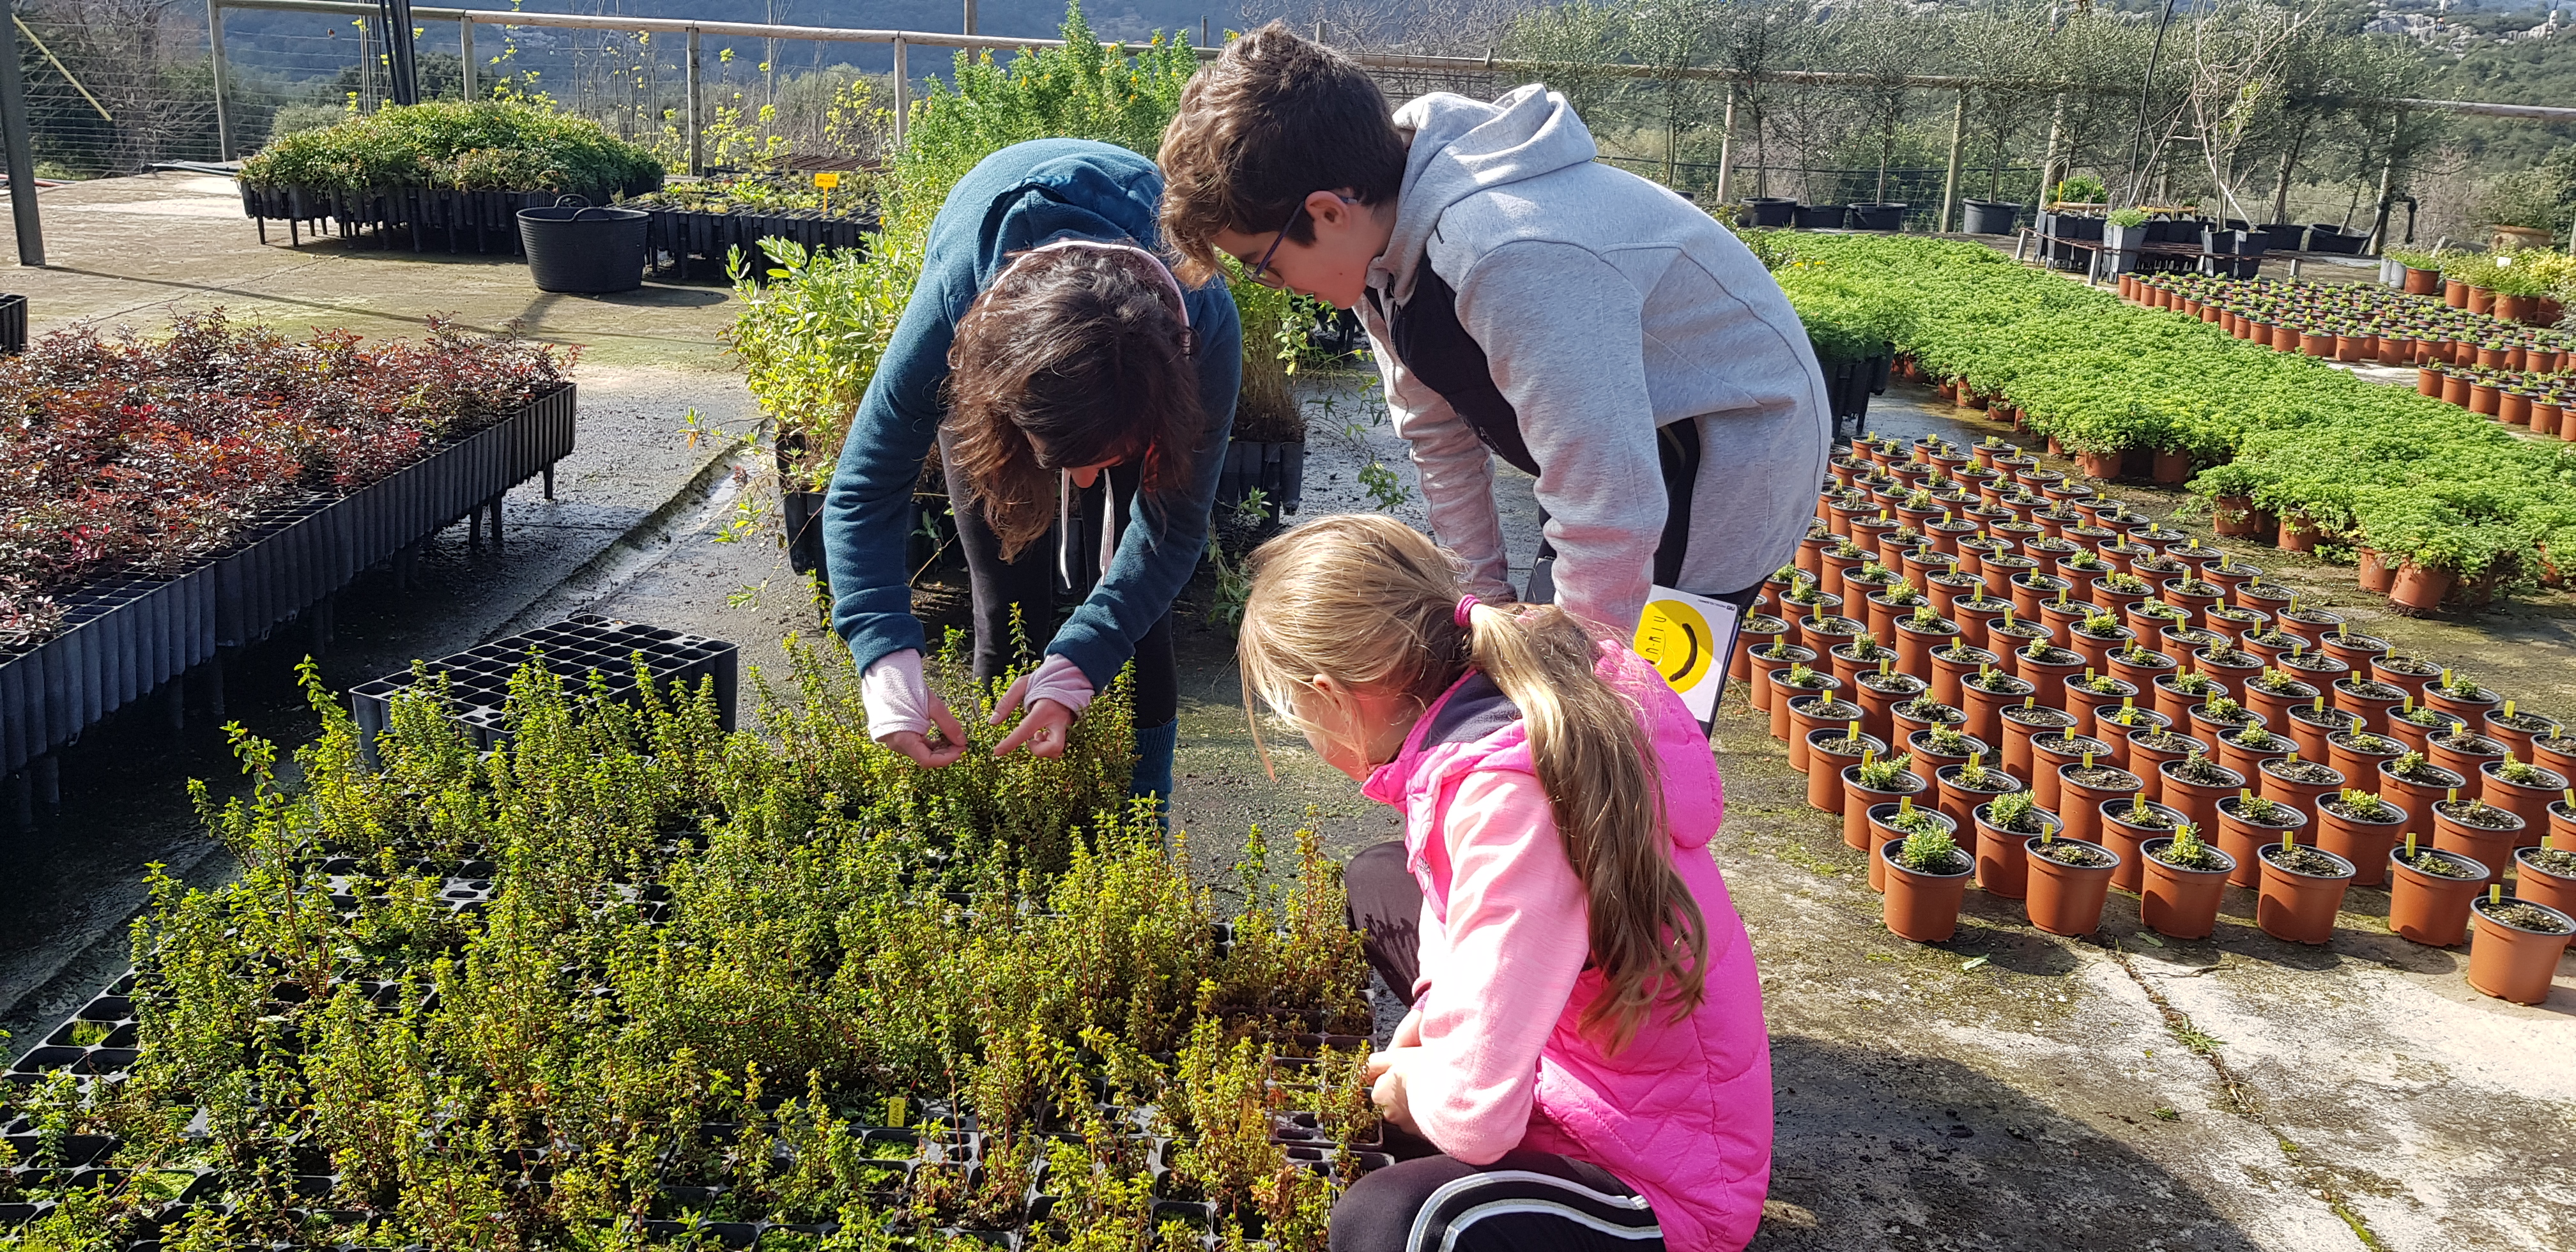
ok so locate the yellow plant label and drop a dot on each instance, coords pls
(827, 179)
(894, 1111)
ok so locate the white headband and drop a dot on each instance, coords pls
(1179, 298)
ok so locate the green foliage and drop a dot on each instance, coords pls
(2409, 475)
(491, 145)
(708, 965)
(1929, 850)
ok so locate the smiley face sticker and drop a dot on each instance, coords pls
(1675, 638)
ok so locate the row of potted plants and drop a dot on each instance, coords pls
(2352, 322)
(135, 454)
(2531, 285)
(2021, 663)
(628, 980)
(2512, 397)
(2276, 436)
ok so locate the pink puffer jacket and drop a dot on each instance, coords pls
(1683, 1114)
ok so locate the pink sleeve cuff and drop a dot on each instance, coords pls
(1059, 679)
(894, 695)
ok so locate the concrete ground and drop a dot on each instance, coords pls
(2006, 1090)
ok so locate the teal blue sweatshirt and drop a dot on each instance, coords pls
(1016, 199)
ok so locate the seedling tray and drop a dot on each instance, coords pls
(478, 678)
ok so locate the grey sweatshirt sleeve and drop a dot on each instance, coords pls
(1563, 330)
(1457, 472)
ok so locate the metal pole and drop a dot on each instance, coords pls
(404, 86)
(970, 17)
(697, 136)
(2146, 89)
(21, 156)
(465, 42)
(215, 50)
(1726, 148)
(1958, 148)
(902, 90)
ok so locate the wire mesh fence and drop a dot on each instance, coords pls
(1917, 188)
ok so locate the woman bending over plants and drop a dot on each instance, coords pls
(1059, 366)
(1585, 1047)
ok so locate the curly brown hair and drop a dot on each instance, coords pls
(1275, 119)
(1073, 357)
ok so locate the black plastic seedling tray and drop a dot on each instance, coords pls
(478, 678)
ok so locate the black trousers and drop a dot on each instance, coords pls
(1525, 1202)
(1677, 452)
(1029, 583)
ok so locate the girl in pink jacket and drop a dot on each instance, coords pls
(1585, 1046)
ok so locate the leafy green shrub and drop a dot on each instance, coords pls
(487, 145)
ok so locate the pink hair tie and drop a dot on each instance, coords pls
(1466, 607)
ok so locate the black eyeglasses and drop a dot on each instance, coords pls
(1261, 272)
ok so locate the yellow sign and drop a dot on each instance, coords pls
(828, 179)
(1688, 640)
(1674, 638)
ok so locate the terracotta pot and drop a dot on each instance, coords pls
(2299, 793)
(2141, 671)
(2510, 962)
(2466, 755)
(2002, 869)
(2067, 899)
(1825, 768)
(1859, 798)
(1950, 666)
(2548, 418)
(2021, 723)
(2297, 906)
(1782, 693)
(1926, 761)
(2430, 908)
(2053, 752)
(2242, 837)
(2088, 705)
(1877, 702)
(2115, 726)
(1915, 645)
(2355, 651)
(2487, 845)
(2047, 673)
(1809, 713)
(2232, 752)
(2359, 762)
(2312, 728)
(1921, 907)
(1825, 633)
(2273, 704)
(2541, 885)
(2363, 842)
(2518, 732)
(2148, 762)
(2177, 902)
(1959, 803)
(1880, 833)
(2417, 794)
(2529, 801)
(2419, 590)
(2417, 736)
(2456, 389)
(1984, 706)
(1765, 664)
(2423, 282)
(1759, 630)
(2367, 699)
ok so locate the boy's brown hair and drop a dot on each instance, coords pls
(1273, 120)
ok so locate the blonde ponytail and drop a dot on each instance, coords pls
(1372, 603)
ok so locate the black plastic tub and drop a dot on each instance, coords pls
(478, 678)
(1991, 217)
(13, 324)
(1820, 217)
(1884, 217)
(1769, 211)
(584, 249)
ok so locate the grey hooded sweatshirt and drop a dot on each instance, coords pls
(1606, 307)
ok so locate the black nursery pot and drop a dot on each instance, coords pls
(584, 249)
(1991, 217)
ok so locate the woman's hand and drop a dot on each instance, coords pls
(1042, 729)
(1056, 693)
(916, 745)
(1387, 1090)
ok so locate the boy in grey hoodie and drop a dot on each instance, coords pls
(1527, 303)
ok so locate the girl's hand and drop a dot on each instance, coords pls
(1387, 1091)
(1055, 693)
